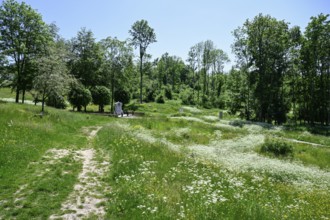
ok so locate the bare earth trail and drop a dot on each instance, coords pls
(87, 197)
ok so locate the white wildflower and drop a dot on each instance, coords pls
(210, 118)
(192, 109)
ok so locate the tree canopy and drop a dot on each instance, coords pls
(280, 73)
(23, 35)
(142, 35)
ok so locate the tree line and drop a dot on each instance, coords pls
(280, 72)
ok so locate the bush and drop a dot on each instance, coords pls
(160, 99)
(101, 96)
(150, 95)
(79, 96)
(205, 102)
(122, 96)
(56, 100)
(132, 107)
(277, 148)
(168, 92)
(187, 97)
(218, 102)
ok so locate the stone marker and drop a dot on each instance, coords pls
(118, 109)
(220, 115)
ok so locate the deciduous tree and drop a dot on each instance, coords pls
(23, 35)
(117, 57)
(86, 58)
(142, 35)
(52, 77)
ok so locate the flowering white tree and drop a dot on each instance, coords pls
(52, 73)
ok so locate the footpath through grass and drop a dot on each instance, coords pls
(35, 178)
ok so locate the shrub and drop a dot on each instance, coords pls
(277, 148)
(218, 102)
(122, 95)
(101, 96)
(187, 97)
(56, 100)
(150, 95)
(168, 92)
(160, 99)
(205, 102)
(79, 96)
(132, 107)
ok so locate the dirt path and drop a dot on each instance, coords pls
(87, 198)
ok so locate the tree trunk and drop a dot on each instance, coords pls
(193, 85)
(204, 82)
(23, 96)
(43, 103)
(141, 78)
(17, 94)
(18, 82)
(112, 93)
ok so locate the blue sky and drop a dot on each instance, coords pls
(179, 24)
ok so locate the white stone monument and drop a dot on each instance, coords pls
(118, 109)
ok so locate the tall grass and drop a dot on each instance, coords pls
(188, 167)
(149, 181)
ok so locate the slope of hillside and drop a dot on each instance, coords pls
(169, 164)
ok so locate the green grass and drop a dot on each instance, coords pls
(150, 180)
(307, 136)
(318, 156)
(9, 93)
(24, 140)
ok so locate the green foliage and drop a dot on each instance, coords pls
(314, 86)
(101, 96)
(56, 100)
(160, 99)
(151, 93)
(187, 97)
(277, 148)
(205, 102)
(52, 79)
(272, 37)
(79, 96)
(168, 92)
(122, 96)
(218, 102)
(142, 35)
(132, 106)
(20, 22)
(86, 59)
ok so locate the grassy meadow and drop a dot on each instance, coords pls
(165, 165)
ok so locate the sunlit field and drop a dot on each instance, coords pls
(168, 164)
